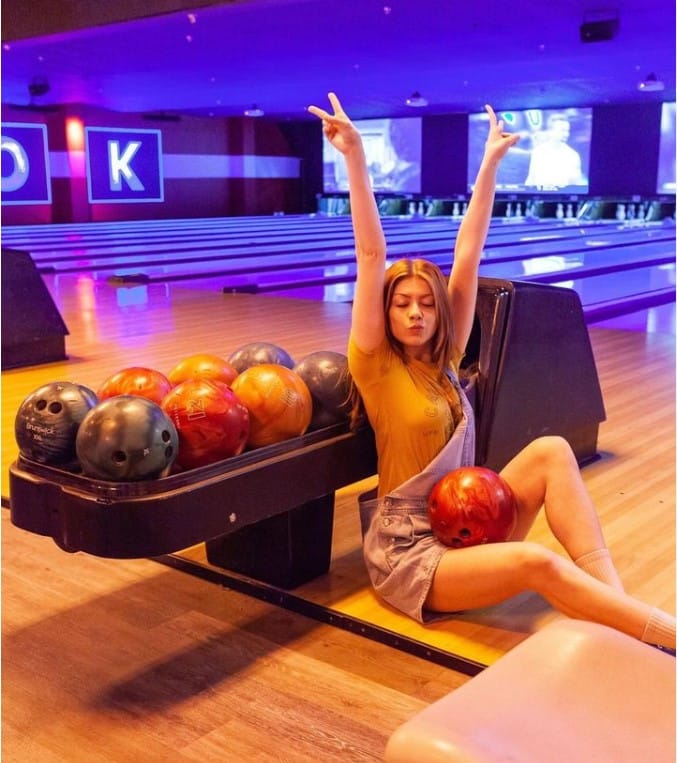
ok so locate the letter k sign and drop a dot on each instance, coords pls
(124, 165)
(118, 165)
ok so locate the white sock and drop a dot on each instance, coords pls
(599, 564)
(660, 629)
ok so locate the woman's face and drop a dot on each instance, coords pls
(412, 316)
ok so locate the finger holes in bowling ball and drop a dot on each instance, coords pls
(472, 505)
(47, 421)
(166, 436)
(123, 439)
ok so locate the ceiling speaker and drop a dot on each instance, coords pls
(599, 31)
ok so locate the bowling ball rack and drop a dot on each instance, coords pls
(268, 513)
(276, 503)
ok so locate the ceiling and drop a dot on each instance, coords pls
(282, 55)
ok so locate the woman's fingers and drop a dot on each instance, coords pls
(321, 113)
(336, 104)
(338, 114)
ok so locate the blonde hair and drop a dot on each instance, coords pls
(444, 353)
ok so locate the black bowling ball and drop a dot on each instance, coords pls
(258, 353)
(47, 422)
(127, 438)
(328, 379)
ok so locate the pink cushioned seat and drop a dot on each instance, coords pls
(575, 692)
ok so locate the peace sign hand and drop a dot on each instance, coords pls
(337, 127)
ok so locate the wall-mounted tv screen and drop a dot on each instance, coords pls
(667, 180)
(393, 150)
(552, 155)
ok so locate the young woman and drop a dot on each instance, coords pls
(409, 331)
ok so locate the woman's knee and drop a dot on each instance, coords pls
(551, 451)
(540, 567)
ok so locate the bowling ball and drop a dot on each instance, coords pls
(136, 380)
(279, 403)
(126, 438)
(203, 366)
(212, 422)
(328, 379)
(470, 506)
(256, 353)
(47, 422)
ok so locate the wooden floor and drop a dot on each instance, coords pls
(106, 660)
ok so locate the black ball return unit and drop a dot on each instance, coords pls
(268, 513)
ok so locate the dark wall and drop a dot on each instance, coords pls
(193, 195)
(624, 149)
(444, 159)
(305, 141)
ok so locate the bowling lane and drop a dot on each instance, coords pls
(297, 254)
(127, 247)
(627, 287)
(543, 268)
(603, 289)
(313, 257)
(548, 268)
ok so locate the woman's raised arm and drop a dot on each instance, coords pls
(472, 233)
(368, 320)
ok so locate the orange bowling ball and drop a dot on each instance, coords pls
(203, 365)
(136, 380)
(278, 400)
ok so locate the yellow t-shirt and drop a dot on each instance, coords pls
(412, 412)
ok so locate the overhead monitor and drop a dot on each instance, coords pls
(393, 150)
(552, 155)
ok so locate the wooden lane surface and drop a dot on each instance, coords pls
(121, 661)
(632, 484)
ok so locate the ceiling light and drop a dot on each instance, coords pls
(416, 100)
(254, 111)
(651, 84)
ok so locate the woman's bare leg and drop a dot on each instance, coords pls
(545, 473)
(480, 576)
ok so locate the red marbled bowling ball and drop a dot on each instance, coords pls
(470, 506)
(213, 424)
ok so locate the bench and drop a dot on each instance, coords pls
(574, 691)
